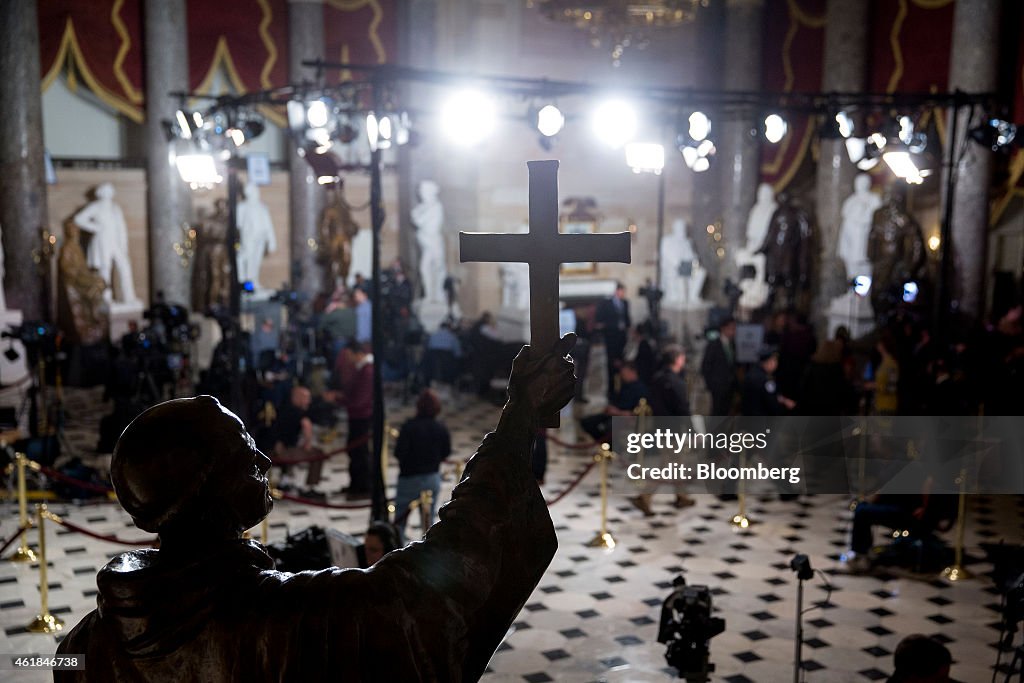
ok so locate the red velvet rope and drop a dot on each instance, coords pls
(322, 456)
(88, 485)
(101, 537)
(17, 534)
(575, 482)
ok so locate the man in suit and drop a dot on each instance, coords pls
(719, 368)
(613, 323)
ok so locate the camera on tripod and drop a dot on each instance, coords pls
(686, 628)
(38, 338)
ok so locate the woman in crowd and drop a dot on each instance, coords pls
(423, 444)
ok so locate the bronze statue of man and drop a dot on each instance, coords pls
(789, 252)
(208, 606)
(896, 250)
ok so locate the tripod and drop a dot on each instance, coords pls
(802, 566)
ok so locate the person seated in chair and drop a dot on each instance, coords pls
(623, 402)
(208, 606)
(441, 360)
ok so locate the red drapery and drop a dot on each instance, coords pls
(248, 39)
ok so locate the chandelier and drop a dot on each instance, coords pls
(620, 24)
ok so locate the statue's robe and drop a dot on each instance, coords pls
(434, 611)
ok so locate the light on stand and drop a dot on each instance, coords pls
(775, 128)
(198, 169)
(934, 242)
(700, 126)
(550, 120)
(614, 123)
(645, 157)
(861, 285)
(468, 117)
(901, 163)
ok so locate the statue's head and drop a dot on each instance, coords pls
(252, 191)
(679, 227)
(765, 194)
(862, 183)
(104, 191)
(428, 190)
(187, 468)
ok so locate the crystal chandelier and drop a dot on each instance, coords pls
(619, 24)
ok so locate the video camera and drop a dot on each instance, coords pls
(687, 627)
(37, 336)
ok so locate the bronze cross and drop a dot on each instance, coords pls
(544, 249)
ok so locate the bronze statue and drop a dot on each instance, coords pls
(896, 250)
(81, 292)
(209, 606)
(337, 230)
(789, 252)
(211, 275)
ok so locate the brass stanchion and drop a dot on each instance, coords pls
(956, 571)
(44, 621)
(265, 530)
(459, 467)
(426, 501)
(740, 519)
(604, 538)
(23, 553)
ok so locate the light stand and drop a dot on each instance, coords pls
(378, 505)
(801, 564)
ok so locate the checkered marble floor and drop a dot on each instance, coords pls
(594, 615)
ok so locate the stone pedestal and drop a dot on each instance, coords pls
(513, 324)
(12, 370)
(852, 311)
(121, 313)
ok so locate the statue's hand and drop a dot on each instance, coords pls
(543, 383)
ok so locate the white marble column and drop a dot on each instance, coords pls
(23, 188)
(168, 200)
(305, 196)
(972, 69)
(844, 70)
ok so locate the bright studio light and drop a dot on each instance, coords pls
(934, 242)
(844, 124)
(861, 285)
(316, 114)
(468, 117)
(197, 169)
(775, 128)
(550, 120)
(615, 123)
(700, 126)
(645, 157)
(901, 163)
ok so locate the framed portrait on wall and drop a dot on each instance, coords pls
(572, 226)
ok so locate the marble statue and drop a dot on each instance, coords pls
(209, 606)
(857, 213)
(896, 250)
(428, 217)
(680, 291)
(755, 289)
(82, 291)
(788, 250)
(108, 248)
(255, 236)
(338, 230)
(515, 281)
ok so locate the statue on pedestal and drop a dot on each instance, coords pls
(337, 231)
(108, 248)
(896, 250)
(682, 276)
(255, 236)
(857, 213)
(755, 290)
(209, 602)
(211, 275)
(428, 217)
(82, 292)
(788, 250)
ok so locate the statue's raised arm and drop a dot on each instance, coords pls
(209, 606)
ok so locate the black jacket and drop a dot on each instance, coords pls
(422, 445)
